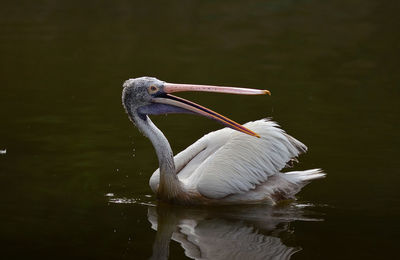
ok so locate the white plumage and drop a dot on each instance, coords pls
(227, 166)
(239, 164)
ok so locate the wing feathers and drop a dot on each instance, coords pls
(245, 161)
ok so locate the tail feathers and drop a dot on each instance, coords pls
(305, 176)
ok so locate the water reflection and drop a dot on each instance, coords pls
(251, 232)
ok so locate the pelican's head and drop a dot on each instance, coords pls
(150, 96)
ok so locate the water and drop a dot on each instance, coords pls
(75, 171)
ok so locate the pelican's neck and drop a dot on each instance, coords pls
(169, 186)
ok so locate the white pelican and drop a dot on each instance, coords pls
(222, 167)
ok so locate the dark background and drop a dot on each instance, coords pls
(75, 175)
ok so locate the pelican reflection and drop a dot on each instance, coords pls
(250, 232)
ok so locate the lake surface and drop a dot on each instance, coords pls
(74, 171)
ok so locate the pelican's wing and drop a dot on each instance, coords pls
(243, 161)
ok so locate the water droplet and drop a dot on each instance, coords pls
(122, 201)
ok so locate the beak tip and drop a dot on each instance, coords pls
(267, 92)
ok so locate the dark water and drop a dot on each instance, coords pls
(74, 176)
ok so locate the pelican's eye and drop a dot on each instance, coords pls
(152, 89)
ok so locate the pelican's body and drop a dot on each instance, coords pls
(223, 167)
(226, 166)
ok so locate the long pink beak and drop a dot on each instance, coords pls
(198, 109)
(173, 87)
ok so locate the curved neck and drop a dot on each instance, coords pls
(169, 186)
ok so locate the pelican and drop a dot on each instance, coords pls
(239, 164)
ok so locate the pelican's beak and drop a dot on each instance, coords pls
(172, 87)
(189, 106)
